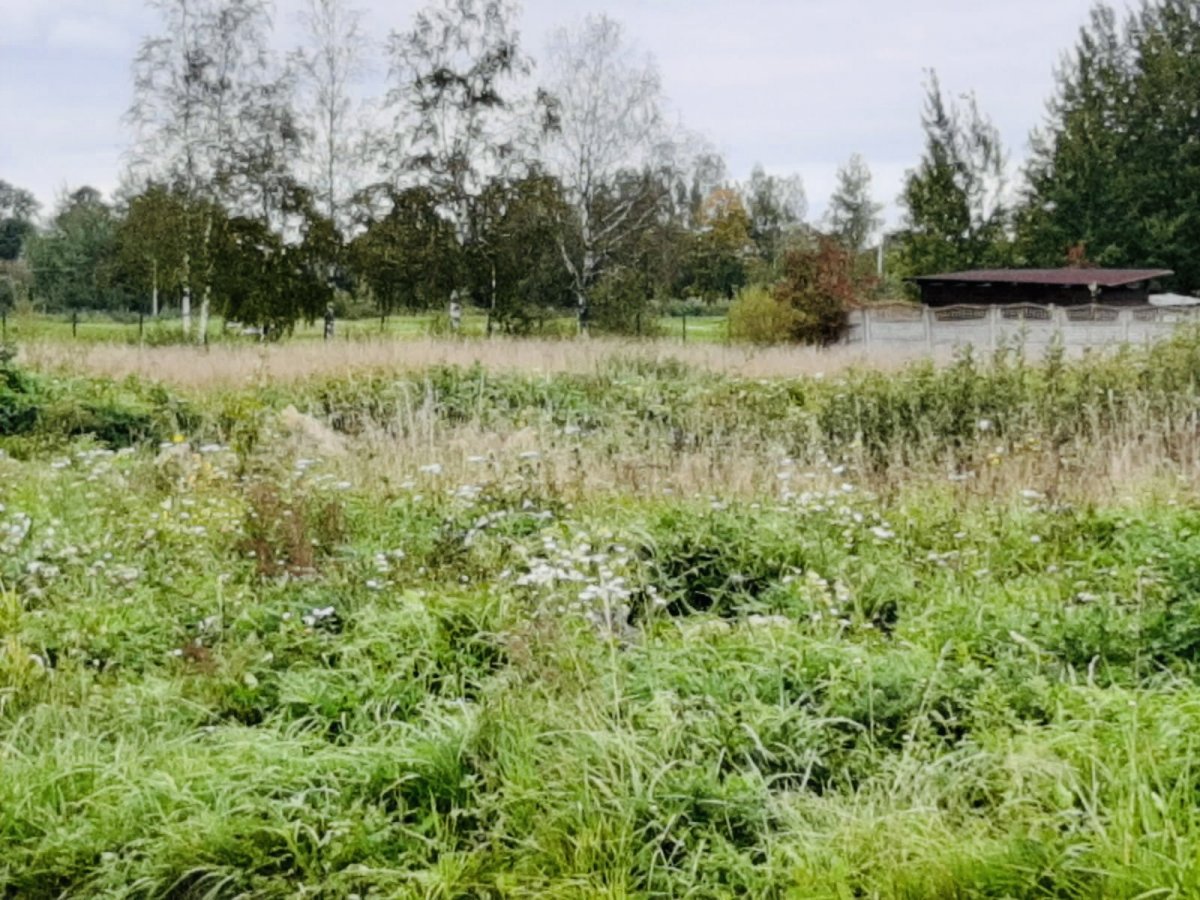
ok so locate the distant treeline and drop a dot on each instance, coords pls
(268, 187)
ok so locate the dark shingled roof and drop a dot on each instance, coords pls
(1058, 277)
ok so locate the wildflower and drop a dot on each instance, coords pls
(884, 534)
(983, 425)
(319, 614)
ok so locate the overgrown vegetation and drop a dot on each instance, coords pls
(645, 632)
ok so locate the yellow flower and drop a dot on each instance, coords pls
(177, 438)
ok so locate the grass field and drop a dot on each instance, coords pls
(631, 624)
(103, 329)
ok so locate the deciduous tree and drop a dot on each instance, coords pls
(607, 145)
(197, 85)
(853, 212)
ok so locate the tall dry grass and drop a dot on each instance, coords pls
(239, 364)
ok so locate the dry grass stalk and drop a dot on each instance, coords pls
(239, 364)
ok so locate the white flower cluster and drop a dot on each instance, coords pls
(13, 531)
(584, 577)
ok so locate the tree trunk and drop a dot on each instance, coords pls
(185, 302)
(206, 297)
(154, 290)
(205, 306)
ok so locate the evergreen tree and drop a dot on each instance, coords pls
(1116, 167)
(954, 216)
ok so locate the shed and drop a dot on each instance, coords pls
(1061, 287)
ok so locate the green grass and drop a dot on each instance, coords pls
(98, 328)
(232, 665)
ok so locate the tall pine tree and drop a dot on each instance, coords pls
(1116, 167)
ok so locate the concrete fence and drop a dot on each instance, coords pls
(901, 326)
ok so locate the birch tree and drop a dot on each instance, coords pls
(193, 86)
(332, 61)
(456, 75)
(607, 119)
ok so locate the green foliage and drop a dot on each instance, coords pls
(853, 213)
(72, 261)
(621, 304)
(715, 268)
(818, 285)
(1114, 165)
(17, 210)
(954, 217)
(758, 317)
(224, 682)
(409, 259)
(514, 267)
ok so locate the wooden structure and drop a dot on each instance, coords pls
(1040, 287)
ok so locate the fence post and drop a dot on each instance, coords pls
(74, 324)
(927, 318)
(685, 328)
(141, 323)
(1126, 317)
(866, 326)
(993, 323)
(3, 324)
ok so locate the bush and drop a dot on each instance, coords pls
(620, 304)
(20, 406)
(818, 283)
(758, 318)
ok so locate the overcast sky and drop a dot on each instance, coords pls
(797, 85)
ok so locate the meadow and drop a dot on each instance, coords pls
(605, 622)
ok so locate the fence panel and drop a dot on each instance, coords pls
(986, 327)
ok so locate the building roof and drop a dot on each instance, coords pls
(1108, 278)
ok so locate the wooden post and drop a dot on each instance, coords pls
(993, 326)
(141, 323)
(4, 324)
(74, 324)
(685, 328)
(1126, 317)
(866, 323)
(927, 316)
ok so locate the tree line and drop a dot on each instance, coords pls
(266, 186)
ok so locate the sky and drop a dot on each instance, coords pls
(796, 85)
